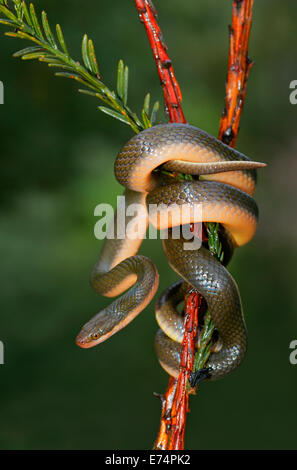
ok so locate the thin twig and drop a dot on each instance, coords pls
(238, 70)
(172, 94)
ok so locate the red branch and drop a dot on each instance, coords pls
(172, 94)
(238, 70)
(175, 403)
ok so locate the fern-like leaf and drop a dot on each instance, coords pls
(26, 25)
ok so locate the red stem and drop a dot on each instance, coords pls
(172, 94)
(238, 70)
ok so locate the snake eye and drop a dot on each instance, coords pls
(95, 336)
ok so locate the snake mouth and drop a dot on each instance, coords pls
(87, 340)
(82, 342)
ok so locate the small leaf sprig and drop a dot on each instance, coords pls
(206, 335)
(214, 243)
(53, 51)
(204, 349)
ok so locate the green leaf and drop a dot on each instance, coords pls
(22, 35)
(35, 22)
(58, 65)
(73, 76)
(138, 123)
(32, 56)
(145, 118)
(7, 22)
(88, 92)
(146, 104)
(8, 13)
(114, 114)
(61, 39)
(155, 112)
(18, 5)
(120, 79)
(85, 52)
(50, 59)
(93, 59)
(27, 50)
(26, 14)
(47, 30)
(125, 85)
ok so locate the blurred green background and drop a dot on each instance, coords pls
(57, 155)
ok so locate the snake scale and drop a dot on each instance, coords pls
(224, 186)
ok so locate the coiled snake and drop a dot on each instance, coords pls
(225, 193)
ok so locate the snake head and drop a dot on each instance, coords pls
(93, 332)
(87, 338)
(98, 329)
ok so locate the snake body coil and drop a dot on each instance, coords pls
(225, 194)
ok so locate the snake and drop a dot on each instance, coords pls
(223, 183)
